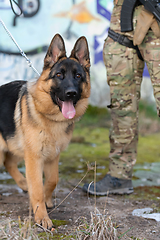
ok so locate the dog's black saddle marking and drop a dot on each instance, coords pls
(9, 94)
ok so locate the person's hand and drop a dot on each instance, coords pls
(145, 21)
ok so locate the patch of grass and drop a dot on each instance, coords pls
(90, 143)
(95, 147)
(57, 223)
(145, 192)
(120, 237)
(148, 149)
(21, 230)
(46, 236)
(94, 117)
(99, 227)
(147, 109)
(11, 229)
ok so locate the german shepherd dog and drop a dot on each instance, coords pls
(37, 120)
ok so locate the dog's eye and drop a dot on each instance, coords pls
(78, 76)
(59, 75)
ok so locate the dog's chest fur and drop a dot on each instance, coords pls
(56, 140)
(51, 139)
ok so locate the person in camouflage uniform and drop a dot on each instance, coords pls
(124, 76)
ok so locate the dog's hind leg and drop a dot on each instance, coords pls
(51, 180)
(10, 163)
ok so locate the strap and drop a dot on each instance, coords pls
(123, 40)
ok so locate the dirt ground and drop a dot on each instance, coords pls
(14, 203)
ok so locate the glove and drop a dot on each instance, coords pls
(145, 21)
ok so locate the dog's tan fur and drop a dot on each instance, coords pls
(41, 135)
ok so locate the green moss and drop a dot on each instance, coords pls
(57, 223)
(47, 236)
(56, 235)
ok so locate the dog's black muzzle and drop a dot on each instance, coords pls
(71, 94)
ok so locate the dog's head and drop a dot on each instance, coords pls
(66, 80)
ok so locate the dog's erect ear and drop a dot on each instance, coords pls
(81, 52)
(55, 51)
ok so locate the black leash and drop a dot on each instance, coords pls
(123, 40)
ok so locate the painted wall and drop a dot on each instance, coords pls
(41, 21)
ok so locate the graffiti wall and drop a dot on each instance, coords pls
(34, 30)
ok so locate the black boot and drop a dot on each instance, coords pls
(109, 185)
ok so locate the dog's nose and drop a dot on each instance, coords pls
(71, 93)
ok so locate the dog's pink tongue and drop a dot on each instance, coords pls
(68, 109)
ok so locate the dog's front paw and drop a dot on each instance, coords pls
(45, 222)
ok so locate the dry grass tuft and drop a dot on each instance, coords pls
(17, 230)
(100, 227)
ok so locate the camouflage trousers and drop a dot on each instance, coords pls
(124, 76)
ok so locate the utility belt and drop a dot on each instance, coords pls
(123, 40)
